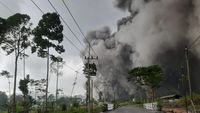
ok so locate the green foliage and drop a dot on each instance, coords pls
(18, 108)
(51, 98)
(159, 104)
(97, 109)
(3, 101)
(64, 107)
(40, 87)
(16, 32)
(2, 25)
(77, 110)
(56, 59)
(15, 21)
(150, 76)
(19, 98)
(63, 100)
(28, 101)
(6, 74)
(2, 29)
(48, 34)
(23, 85)
(76, 104)
(56, 64)
(196, 99)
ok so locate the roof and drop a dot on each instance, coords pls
(170, 96)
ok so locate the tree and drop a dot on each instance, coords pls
(48, 34)
(3, 101)
(51, 98)
(23, 86)
(6, 74)
(16, 32)
(2, 29)
(19, 98)
(150, 76)
(40, 88)
(39, 91)
(57, 64)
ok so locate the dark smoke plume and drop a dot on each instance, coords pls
(123, 4)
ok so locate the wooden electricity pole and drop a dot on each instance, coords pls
(188, 72)
(183, 79)
(90, 71)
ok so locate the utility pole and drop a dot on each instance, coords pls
(88, 81)
(92, 95)
(188, 71)
(90, 71)
(183, 78)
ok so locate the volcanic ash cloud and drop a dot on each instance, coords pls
(155, 32)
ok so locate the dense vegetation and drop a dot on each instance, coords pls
(17, 36)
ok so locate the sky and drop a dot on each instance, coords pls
(90, 15)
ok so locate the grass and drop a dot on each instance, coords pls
(97, 109)
(127, 103)
(196, 100)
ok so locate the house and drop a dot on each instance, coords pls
(170, 98)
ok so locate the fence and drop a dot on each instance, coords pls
(151, 106)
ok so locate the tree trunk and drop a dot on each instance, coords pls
(153, 94)
(14, 89)
(47, 80)
(57, 84)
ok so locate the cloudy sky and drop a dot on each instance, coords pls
(90, 14)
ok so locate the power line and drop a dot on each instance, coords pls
(63, 34)
(78, 26)
(72, 68)
(65, 23)
(6, 7)
(37, 6)
(73, 18)
(194, 42)
(72, 43)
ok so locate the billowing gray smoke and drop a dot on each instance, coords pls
(156, 32)
(113, 63)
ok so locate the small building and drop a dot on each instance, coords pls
(170, 98)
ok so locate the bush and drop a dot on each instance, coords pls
(196, 100)
(18, 108)
(64, 107)
(77, 110)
